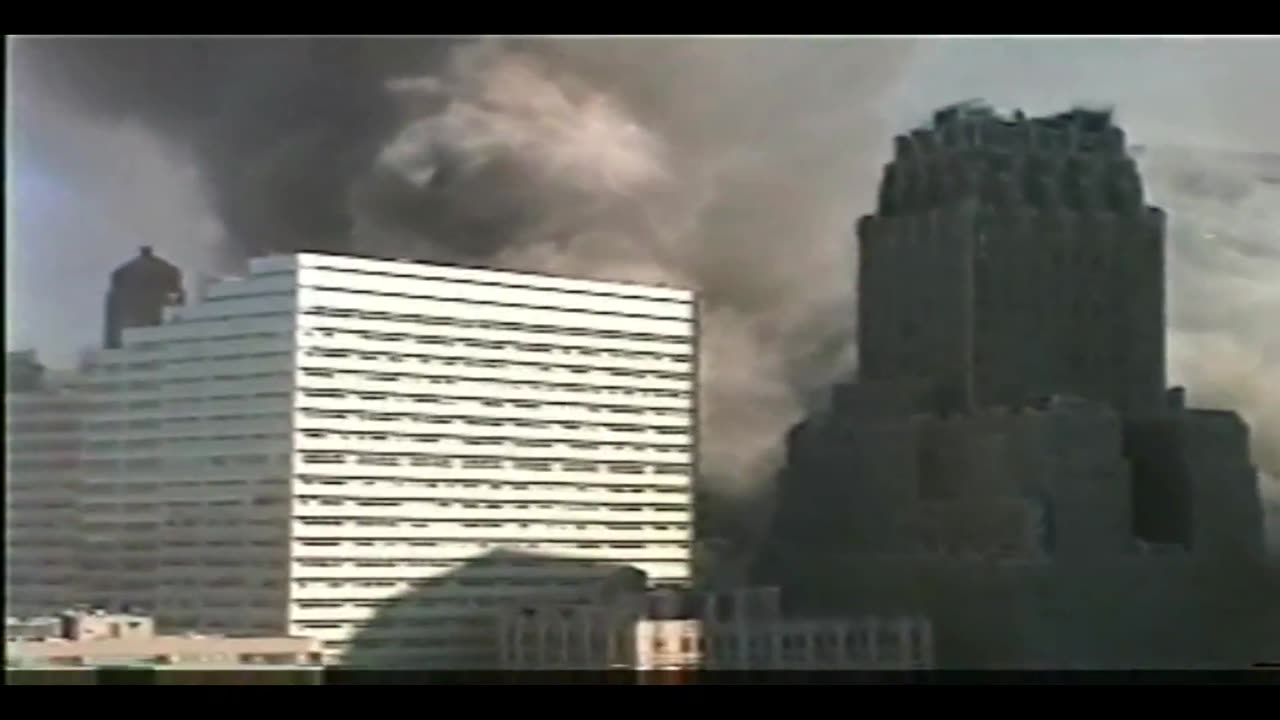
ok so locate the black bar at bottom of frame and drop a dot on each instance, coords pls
(1260, 675)
(800, 677)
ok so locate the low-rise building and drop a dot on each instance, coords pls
(684, 630)
(31, 628)
(96, 639)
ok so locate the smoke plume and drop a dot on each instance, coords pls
(1223, 262)
(732, 166)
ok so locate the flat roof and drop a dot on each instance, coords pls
(478, 272)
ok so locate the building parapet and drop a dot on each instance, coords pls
(741, 629)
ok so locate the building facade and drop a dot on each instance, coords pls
(96, 639)
(377, 453)
(1012, 259)
(742, 629)
(1009, 461)
(44, 424)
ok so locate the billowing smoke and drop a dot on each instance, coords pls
(1223, 263)
(732, 166)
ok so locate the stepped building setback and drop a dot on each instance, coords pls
(1009, 461)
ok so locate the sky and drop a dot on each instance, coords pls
(1214, 93)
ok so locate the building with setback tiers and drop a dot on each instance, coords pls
(1008, 461)
(339, 447)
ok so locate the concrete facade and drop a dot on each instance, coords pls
(97, 639)
(1009, 462)
(307, 446)
(45, 414)
(742, 629)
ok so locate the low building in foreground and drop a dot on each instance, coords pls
(684, 630)
(97, 639)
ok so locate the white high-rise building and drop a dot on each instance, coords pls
(44, 413)
(379, 453)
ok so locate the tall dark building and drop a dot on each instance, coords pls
(1009, 461)
(140, 291)
(1011, 259)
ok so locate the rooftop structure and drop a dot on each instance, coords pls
(140, 291)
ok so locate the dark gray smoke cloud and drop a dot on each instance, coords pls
(734, 166)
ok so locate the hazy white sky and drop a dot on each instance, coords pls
(1218, 92)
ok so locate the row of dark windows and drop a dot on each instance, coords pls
(158, 463)
(474, 362)
(491, 421)
(178, 382)
(448, 379)
(221, 340)
(494, 582)
(433, 483)
(478, 302)
(101, 426)
(494, 462)
(432, 399)
(478, 441)
(614, 292)
(22, 427)
(428, 320)
(401, 523)
(544, 349)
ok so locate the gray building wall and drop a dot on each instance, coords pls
(1008, 462)
(1014, 259)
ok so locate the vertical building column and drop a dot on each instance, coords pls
(541, 634)
(873, 637)
(777, 659)
(566, 633)
(926, 643)
(508, 651)
(810, 645)
(611, 644)
(906, 635)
